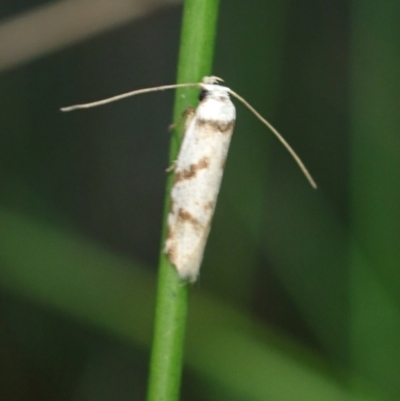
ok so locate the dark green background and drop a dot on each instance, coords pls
(298, 297)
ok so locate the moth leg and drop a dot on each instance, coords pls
(186, 115)
(172, 167)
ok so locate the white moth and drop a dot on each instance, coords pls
(198, 169)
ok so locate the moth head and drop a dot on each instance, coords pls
(210, 88)
(211, 80)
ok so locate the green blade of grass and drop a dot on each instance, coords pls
(195, 61)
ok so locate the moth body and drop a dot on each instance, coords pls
(197, 178)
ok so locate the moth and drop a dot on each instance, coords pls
(199, 168)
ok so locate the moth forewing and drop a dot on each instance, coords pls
(197, 179)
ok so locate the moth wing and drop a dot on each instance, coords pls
(186, 250)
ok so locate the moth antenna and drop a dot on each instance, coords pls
(125, 95)
(297, 159)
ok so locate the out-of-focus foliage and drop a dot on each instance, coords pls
(298, 296)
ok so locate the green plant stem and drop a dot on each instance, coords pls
(195, 61)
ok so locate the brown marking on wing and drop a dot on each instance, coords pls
(186, 217)
(170, 233)
(209, 205)
(191, 172)
(171, 253)
(204, 162)
(224, 127)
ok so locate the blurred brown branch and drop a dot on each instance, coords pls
(54, 26)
